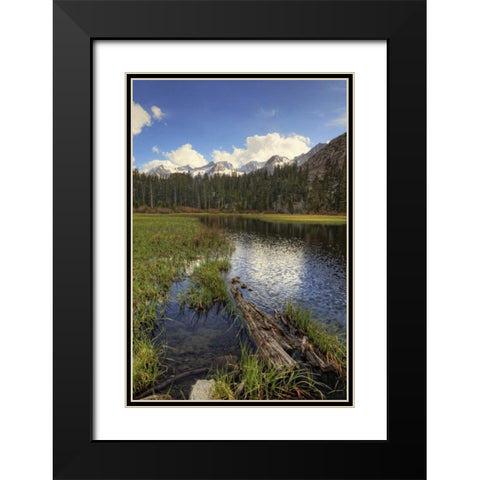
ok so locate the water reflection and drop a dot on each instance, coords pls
(301, 262)
(194, 341)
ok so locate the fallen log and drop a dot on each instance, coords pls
(244, 285)
(263, 331)
(278, 341)
(160, 386)
(312, 354)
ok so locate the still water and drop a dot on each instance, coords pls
(299, 262)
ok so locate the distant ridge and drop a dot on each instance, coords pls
(167, 168)
(329, 159)
(301, 159)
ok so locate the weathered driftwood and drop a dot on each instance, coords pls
(278, 341)
(311, 353)
(160, 386)
(264, 331)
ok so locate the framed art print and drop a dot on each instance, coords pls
(239, 258)
(233, 268)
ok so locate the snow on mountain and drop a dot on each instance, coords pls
(251, 166)
(206, 169)
(166, 168)
(274, 162)
(212, 168)
(301, 159)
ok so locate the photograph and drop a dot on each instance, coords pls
(239, 239)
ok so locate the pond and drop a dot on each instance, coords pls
(304, 263)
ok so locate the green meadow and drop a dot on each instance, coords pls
(164, 246)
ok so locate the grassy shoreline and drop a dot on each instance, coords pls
(329, 344)
(303, 218)
(163, 247)
(340, 219)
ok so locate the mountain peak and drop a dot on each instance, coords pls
(301, 159)
(274, 162)
(251, 166)
(226, 168)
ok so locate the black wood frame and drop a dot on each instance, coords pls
(77, 24)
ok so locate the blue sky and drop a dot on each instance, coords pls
(196, 121)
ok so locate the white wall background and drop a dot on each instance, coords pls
(25, 246)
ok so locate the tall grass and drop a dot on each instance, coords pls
(255, 380)
(207, 287)
(330, 344)
(146, 363)
(163, 247)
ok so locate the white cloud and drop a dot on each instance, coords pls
(140, 118)
(157, 112)
(340, 121)
(155, 149)
(133, 159)
(257, 147)
(262, 147)
(186, 155)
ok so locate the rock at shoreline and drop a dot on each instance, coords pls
(202, 390)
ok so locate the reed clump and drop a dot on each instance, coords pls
(256, 380)
(207, 286)
(330, 343)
